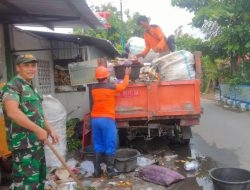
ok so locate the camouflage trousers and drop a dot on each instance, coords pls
(29, 169)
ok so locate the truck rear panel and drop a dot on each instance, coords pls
(159, 100)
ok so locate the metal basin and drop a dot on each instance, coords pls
(126, 159)
(230, 179)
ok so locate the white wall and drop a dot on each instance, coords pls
(78, 102)
(3, 71)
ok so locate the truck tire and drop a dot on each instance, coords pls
(181, 136)
(179, 141)
(185, 142)
(122, 136)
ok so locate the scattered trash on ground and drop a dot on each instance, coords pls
(72, 163)
(62, 174)
(123, 184)
(191, 166)
(159, 175)
(143, 161)
(87, 168)
(170, 157)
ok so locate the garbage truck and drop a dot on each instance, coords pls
(160, 108)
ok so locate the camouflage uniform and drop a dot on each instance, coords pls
(29, 169)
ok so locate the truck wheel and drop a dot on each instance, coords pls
(122, 135)
(181, 136)
(185, 141)
(180, 141)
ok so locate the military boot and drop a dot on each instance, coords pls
(110, 166)
(97, 164)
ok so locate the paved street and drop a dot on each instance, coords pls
(222, 140)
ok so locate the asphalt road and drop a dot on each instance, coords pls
(223, 135)
(221, 140)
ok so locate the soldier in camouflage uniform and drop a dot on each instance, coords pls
(26, 126)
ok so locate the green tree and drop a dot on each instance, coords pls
(114, 33)
(231, 20)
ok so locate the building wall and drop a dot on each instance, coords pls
(76, 103)
(23, 40)
(3, 71)
(94, 53)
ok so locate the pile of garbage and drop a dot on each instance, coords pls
(179, 65)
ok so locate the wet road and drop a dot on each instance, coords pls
(223, 135)
(221, 140)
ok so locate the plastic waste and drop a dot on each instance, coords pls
(191, 166)
(142, 161)
(72, 163)
(67, 186)
(170, 157)
(87, 168)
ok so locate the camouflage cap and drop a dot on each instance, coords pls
(26, 58)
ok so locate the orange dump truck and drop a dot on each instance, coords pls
(160, 108)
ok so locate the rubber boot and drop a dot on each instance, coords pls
(110, 166)
(98, 160)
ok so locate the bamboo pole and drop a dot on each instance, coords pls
(60, 158)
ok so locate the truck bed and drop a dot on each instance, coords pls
(159, 100)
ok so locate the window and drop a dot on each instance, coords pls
(44, 77)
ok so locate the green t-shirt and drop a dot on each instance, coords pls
(30, 103)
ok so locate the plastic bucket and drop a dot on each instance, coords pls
(126, 159)
(230, 178)
(135, 71)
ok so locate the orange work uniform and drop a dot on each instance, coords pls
(103, 97)
(154, 39)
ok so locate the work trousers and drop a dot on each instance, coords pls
(28, 169)
(104, 135)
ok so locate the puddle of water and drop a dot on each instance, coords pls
(198, 179)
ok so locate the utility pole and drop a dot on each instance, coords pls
(122, 27)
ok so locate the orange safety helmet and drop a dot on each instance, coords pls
(101, 72)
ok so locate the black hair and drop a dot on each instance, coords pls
(143, 19)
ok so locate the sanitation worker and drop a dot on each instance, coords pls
(154, 38)
(27, 129)
(103, 118)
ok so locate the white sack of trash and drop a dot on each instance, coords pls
(179, 65)
(56, 115)
(136, 45)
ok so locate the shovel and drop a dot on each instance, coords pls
(60, 158)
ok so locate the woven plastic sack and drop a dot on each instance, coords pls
(55, 114)
(178, 65)
(159, 175)
(136, 45)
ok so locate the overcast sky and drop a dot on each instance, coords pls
(160, 11)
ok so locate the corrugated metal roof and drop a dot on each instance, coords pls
(100, 43)
(53, 13)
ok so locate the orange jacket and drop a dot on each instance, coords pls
(103, 98)
(155, 39)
